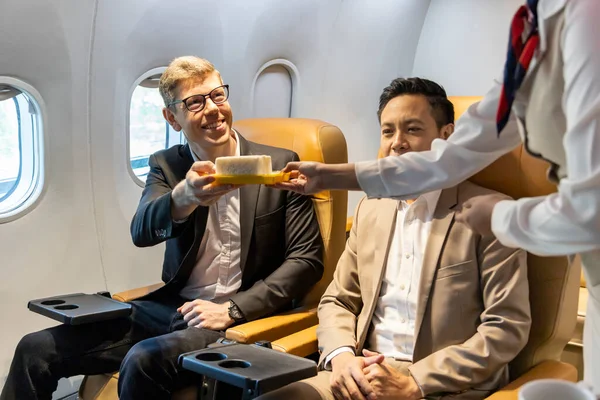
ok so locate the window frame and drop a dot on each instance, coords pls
(33, 193)
(295, 78)
(136, 83)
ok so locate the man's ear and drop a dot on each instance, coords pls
(170, 118)
(446, 131)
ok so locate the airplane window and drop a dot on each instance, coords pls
(20, 149)
(148, 130)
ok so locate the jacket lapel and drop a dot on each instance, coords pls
(382, 227)
(248, 200)
(440, 226)
(200, 216)
(181, 168)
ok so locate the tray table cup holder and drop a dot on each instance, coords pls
(253, 369)
(80, 308)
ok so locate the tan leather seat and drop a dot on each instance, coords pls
(573, 353)
(553, 281)
(312, 140)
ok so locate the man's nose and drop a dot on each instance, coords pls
(210, 106)
(398, 143)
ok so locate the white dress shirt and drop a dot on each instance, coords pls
(217, 274)
(393, 333)
(565, 222)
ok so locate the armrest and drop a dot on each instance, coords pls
(549, 369)
(275, 327)
(302, 344)
(133, 294)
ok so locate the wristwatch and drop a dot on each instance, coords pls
(234, 312)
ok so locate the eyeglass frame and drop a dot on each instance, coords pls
(204, 95)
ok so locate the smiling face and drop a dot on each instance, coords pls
(408, 124)
(209, 128)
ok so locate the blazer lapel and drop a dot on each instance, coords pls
(200, 216)
(382, 227)
(440, 226)
(248, 200)
(180, 169)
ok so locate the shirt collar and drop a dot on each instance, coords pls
(237, 147)
(547, 8)
(429, 198)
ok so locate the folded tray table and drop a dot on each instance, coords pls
(79, 308)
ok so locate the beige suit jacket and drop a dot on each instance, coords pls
(473, 315)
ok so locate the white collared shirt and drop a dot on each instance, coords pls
(561, 223)
(217, 274)
(393, 333)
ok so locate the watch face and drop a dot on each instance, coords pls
(234, 312)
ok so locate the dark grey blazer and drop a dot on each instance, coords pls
(282, 249)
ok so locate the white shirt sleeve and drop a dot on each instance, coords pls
(568, 221)
(473, 146)
(338, 351)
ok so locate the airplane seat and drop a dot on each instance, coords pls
(312, 140)
(553, 281)
(573, 353)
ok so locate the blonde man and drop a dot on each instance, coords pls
(233, 254)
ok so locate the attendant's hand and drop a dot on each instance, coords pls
(206, 314)
(388, 383)
(348, 380)
(476, 213)
(305, 177)
(197, 189)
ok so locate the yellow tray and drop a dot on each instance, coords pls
(267, 179)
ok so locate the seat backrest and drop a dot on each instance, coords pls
(312, 140)
(553, 281)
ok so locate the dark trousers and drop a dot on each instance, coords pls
(143, 347)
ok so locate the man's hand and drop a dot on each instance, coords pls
(389, 384)
(476, 213)
(206, 314)
(197, 189)
(348, 380)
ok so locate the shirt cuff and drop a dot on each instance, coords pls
(501, 222)
(338, 351)
(369, 178)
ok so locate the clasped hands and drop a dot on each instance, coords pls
(370, 377)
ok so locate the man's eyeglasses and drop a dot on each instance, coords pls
(196, 102)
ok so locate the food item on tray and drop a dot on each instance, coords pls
(243, 165)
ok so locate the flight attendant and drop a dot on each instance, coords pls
(550, 100)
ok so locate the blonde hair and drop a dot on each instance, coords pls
(182, 69)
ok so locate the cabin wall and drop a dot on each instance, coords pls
(463, 44)
(54, 248)
(84, 57)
